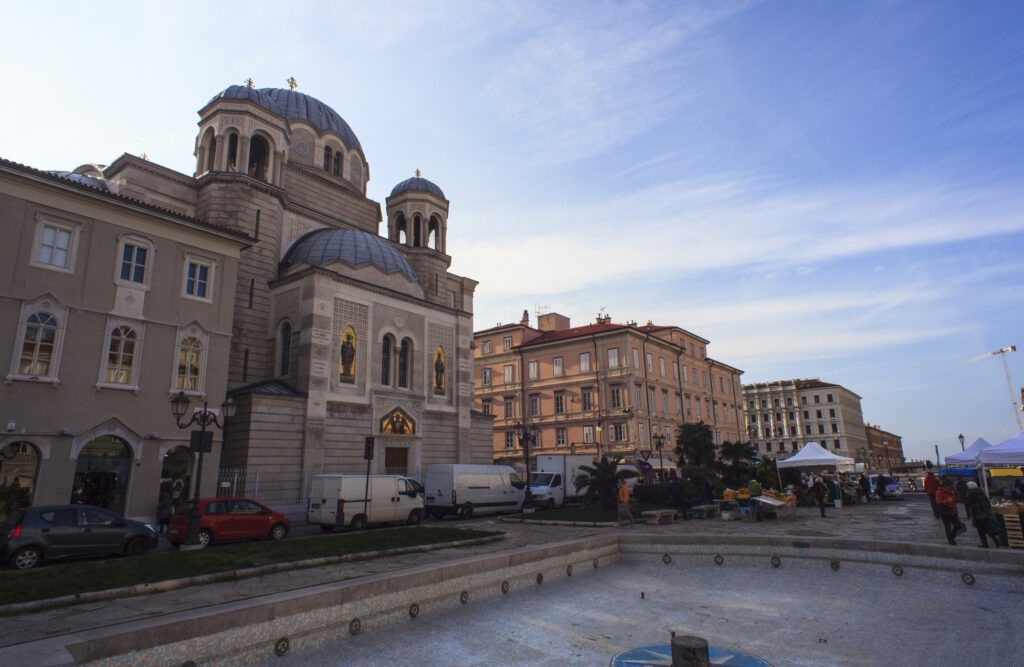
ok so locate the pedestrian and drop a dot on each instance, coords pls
(865, 487)
(678, 494)
(819, 493)
(931, 485)
(625, 516)
(945, 501)
(709, 491)
(163, 511)
(1018, 486)
(979, 511)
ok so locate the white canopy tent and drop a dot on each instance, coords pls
(1010, 452)
(968, 456)
(813, 456)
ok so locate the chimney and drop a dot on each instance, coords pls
(526, 318)
(552, 322)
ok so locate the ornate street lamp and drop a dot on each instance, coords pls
(659, 442)
(527, 435)
(961, 436)
(201, 442)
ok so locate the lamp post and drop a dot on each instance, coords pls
(659, 442)
(526, 435)
(201, 442)
(961, 437)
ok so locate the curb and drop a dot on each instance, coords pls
(214, 577)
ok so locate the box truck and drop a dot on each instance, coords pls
(337, 500)
(467, 489)
(553, 483)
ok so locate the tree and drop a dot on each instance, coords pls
(695, 445)
(602, 481)
(736, 459)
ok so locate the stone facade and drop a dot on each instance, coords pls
(884, 451)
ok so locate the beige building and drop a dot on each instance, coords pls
(327, 332)
(884, 451)
(602, 388)
(784, 415)
(113, 305)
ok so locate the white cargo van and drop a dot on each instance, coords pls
(467, 489)
(338, 500)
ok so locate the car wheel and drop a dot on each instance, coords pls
(136, 547)
(415, 517)
(437, 515)
(326, 527)
(358, 522)
(279, 531)
(550, 504)
(466, 511)
(205, 537)
(26, 559)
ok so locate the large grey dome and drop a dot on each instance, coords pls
(294, 106)
(418, 184)
(351, 246)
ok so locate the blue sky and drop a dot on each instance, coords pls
(821, 189)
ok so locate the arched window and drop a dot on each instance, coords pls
(121, 355)
(259, 158)
(403, 363)
(416, 224)
(327, 158)
(336, 169)
(355, 169)
(190, 357)
(385, 360)
(211, 153)
(37, 347)
(232, 154)
(402, 234)
(433, 233)
(286, 347)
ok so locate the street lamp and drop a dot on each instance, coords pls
(659, 442)
(961, 436)
(526, 435)
(201, 442)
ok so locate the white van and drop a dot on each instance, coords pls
(466, 489)
(338, 500)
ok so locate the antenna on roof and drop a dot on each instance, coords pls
(539, 310)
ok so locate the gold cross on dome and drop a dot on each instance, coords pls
(292, 83)
(417, 173)
(249, 82)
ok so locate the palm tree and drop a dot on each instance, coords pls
(601, 481)
(736, 459)
(695, 445)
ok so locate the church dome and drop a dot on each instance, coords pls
(419, 184)
(354, 247)
(294, 105)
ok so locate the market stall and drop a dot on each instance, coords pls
(1010, 452)
(815, 457)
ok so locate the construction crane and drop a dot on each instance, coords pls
(1009, 381)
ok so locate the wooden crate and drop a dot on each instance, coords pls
(1013, 531)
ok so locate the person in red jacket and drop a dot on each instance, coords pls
(931, 485)
(945, 500)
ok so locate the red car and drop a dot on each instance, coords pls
(227, 519)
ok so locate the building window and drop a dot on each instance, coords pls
(817, 399)
(404, 352)
(485, 377)
(509, 374)
(510, 442)
(836, 443)
(807, 414)
(533, 370)
(534, 405)
(638, 399)
(615, 396)
(588, 434)
(190, 359)
(821, 428)
(650, 362)
(38, 346)
(557, 369)
(835, 427)
(664, 400)
(133, 262)
(584, 362)
(336, 167)
(675, 370)
(510, 408)
(721, 383)
(685, 375)
(586, 399)
(651, 403)
(704, 378)
(560, 438)
(792, 430)
(55, 244)
(559, 403)
(828, 397)
(613, 357)
(679, 403)
(753, 418)
(618, 432)
(286, 348)
(789, 400)
(767, 446)
(485, 406)
(636, 358)
(778, 416)
(507, 342)
(198, 278)
(697, 403)
(803, 400)
(807, 429)
(121, 355)
(661, 366)
(385, 363)
(485, 347)
(832, 412)
(641, 433)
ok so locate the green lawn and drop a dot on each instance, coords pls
(74, 577)
(588, 513)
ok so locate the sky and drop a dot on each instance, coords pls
(820, 189)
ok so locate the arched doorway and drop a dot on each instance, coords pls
(176, 475)
(101, 474)
(19, 466)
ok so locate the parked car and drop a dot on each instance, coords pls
(467, 489)
(338, 500)
(229, 519)
(890, 487)
(33, 534)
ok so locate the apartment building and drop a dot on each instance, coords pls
(602, 388)
(884, 451)
(784, 415)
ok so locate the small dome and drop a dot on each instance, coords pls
(419, 184)
(293, 105)
(351, 246)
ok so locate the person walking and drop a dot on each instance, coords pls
(676, 491)
(163, 511)
(931, 485)
(819, 493)
(979, 511)
(625, 516)
(945, 501)
(1018, 486)
(865, 487)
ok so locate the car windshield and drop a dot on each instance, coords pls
(416, 486)
(540, 478)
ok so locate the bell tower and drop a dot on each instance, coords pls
(418, 221)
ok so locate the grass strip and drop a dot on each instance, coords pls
(589, 513)
(76, 577)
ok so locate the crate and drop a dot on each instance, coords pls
(1013, 531)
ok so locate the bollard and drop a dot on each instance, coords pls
(689, 651)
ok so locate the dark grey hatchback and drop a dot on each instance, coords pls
(33, 534)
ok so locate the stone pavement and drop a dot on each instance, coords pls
(908, 521)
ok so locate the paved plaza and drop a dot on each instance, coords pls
(908, 523)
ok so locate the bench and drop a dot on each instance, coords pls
(655, 517)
